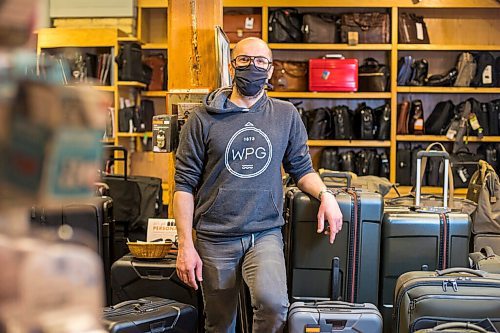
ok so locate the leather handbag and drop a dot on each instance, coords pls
(330, 159)
(319, 28)
(342, 123)
(372, 76)
(158, 64)
(383, 122)
(321, 125)
(484, 189)
(129, 62)
(440, 118)
(365, 122)
(403, 114)
(347, 161)
(442, 80)
(416, 118)
(238, 26)
(464, 165)
(289, 75)
(285, 26)
(412, 29)
(372, 28)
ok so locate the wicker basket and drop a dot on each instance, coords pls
(149, 250)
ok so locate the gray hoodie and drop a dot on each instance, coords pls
(230, 158)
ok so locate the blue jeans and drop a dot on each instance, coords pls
(257, 259)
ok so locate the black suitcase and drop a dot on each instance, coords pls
(414, 240)
(309, 255)
(403, 166)
(93, 216)
(150, 314)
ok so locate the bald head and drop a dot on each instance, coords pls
(252, 46)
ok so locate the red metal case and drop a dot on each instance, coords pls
(333, 74)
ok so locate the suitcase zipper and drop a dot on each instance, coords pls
(401, 292)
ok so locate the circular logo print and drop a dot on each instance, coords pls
(248, 153)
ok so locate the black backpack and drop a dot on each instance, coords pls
(342, 123)
(440, 118)
(364, 122)
(321, 125)
(285, 26)
(496, 76)
(383, 121)
(485, 70)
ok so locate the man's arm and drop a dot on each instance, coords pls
(189, 264)
(328, 209)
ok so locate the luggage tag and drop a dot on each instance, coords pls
(452, 131)
(420, 31)
(249, 23)
(462, 175)
(352, 38)
(487, 75)
(419, 125)
(474, 123)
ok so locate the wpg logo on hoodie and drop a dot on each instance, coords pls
(249, 152)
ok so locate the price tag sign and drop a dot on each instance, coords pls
(161, 228)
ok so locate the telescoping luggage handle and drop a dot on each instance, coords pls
(458, 325)
(336, 279)
(432, 153)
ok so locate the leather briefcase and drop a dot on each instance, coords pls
(239, 26)
(333, 74)
(158, 64)
(319, 28)
(373, 76)
(289, 76)
(412, 29)
(372, 28)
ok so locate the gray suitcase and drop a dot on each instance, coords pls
(457, 294)
(309, 254)
(414, 240)
(334, 316)
(486, 260)
(483, 240)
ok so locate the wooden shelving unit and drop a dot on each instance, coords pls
(155, 46)
(135, 134)
(443, 138)
(349, 143)
(446, 47)
(448, 90)
(327, 95)
(339, 47)
(154, 93)
(133, 84)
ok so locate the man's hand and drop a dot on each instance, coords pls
(189, 266)
(329, 210)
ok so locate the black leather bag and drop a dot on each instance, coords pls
(321, 126)
(347, 161)
(442, 80)
(440, 118)
(330, 159)
(483, 116)
(342, 123)
(126, 117)
(364, 122)
(412, 29)
(285, 26)
(129, 62)
(319, 28)
(464, 164)
(146, 112)
(403, 166)
(485, 70)
(372, 76)
(384, 165)
(383, 122)
(405, 70)
(489, 153)
(494, 117)
(371, 27)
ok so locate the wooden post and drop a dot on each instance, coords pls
(192, 70)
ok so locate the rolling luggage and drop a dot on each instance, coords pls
(333, 74)
(491, 240)
(414, 240)
(456, 294)
(484, 326)
(93, 216)
(334, 316)
(150, 314)
(309, 255)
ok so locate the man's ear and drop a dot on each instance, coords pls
(231, 70)
(270, 73)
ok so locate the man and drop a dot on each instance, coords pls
(228, 186)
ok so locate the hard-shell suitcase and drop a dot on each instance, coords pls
(484, 326)
(491, 240)
(133, 278)
(334, 316)
(333, 74)
(486, 260)
(456, 294)
(413, 240)
(150, 314)
(93, 216)
(309, 255)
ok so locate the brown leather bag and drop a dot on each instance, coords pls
(319, 28)
(403, 115)
(240, 26)
(158, 63)
(289, 75)
(412, 29)
(372, 28)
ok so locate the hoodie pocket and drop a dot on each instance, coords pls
(239, 211)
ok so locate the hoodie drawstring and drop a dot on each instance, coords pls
(253, 241)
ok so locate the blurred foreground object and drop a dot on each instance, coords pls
(49, 286)
(17, 20)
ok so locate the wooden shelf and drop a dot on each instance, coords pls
(108, 140)
(128, 39)
(101, 88)
(135, 134)
(133, 84)
(342, 47)
(443, 138)
(447, 47)
(155, 46)
(448, 90)
(337, 95)
(152, 4)
(69, 37)
(154, 93)
(348, 143)
(308, 3)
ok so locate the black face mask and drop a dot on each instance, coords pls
(249, 81)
